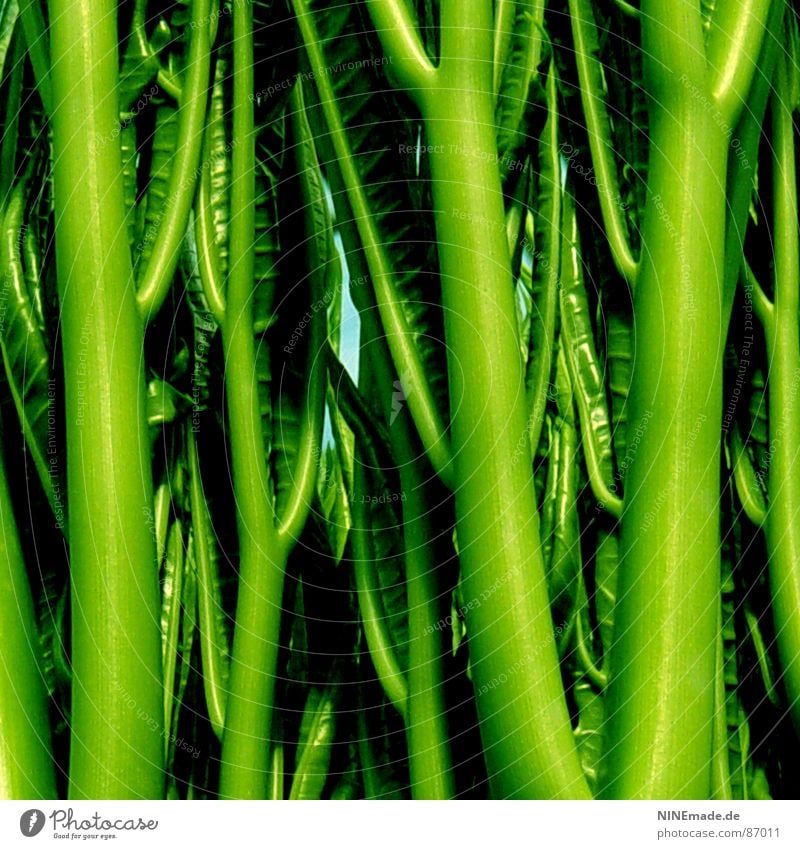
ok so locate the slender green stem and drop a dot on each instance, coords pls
(525, 726)
(401, 341)
(26, 764)
(373, 615)
(400, 38)
(429, 756)
(734, 45)
(584, 365)
(214, 656)
(38, 49)
(304, 475)
(505, 13)
(720, 765)
(600, 144)
(783, 348)
(540, 365)
(762, 305)
(661, 687)
(117, 712)
(430, 759)
(747, 485)
(11, 114)
(158, 274)
(171, 624)
(628, 9)
(244, 773)
(207, 250)
(743, 156)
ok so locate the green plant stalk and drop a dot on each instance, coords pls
(161, 266)
(373, 616)
(525, 726)
(244, 772)
(26, 761)
(117, 746)
(783, 347)
(429, 755)
(584, 35)
(661, 689)
(742, 160)
(409, 61)
(213, 646)
(35, 31)
(430, 760)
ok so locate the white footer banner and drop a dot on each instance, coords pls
(401, 825)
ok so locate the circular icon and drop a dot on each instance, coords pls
(31, 822)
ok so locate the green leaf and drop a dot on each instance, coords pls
(518, 75)
(203, 563)
(586, 369)
(27, 357)
(317, 732)
(605, 595)
(171, 591)
(9, 10)
(589, 730)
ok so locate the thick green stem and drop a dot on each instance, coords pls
(429, 756)
(26, 762)
(117, 714)
(521, 705)
(244, 773)
(661, 689)
(783, 346)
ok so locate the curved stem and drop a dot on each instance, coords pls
(372, 613)
(743, 156)
(171, 622)
(304, 476)
(158, 274)
(720, 765)
(38, 49)
(586, 372)
(733, 48)
(549, 258)
(783, 348)
(628, 9)
(319, 242)
(505, 13)
(9, 140)
(401, 342)
(213, 655)
(402, 44)
(116, 724)
(747, 485)
(661, 687)
(430, 760)
(26, 761)
(244, 772)
(527, 736)
(600, 143)
(429, 756)
(207, 250)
